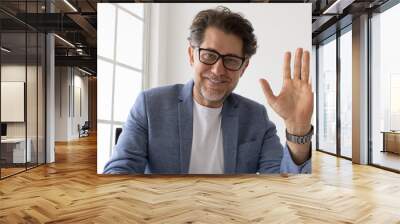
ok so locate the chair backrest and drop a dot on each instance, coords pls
(86, 125)
(117, 134)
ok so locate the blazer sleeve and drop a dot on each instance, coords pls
(274, 158)
(130, 153)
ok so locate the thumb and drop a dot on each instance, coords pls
(267, 91)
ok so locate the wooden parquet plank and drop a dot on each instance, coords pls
(70, 191)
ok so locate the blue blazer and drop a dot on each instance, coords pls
(157, 136)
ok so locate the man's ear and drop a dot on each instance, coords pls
(191, 55)
(246, 63)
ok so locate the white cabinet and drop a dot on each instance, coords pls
(18, 149)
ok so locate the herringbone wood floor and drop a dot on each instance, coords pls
(70, 191)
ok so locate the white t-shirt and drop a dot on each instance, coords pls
(207, 155)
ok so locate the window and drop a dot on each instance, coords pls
(335, 94)
(385, 88)
(394, 101)
(22, 73)
(346, 94)
(120, 69)
(327, 96)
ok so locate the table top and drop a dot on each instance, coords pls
(13, 140)
(391, 132)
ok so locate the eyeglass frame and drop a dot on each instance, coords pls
(220, 56)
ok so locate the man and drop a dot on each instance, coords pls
(202, 127)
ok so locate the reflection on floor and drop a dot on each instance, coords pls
(9, 171)
(386, 159)
(13, 169)
(347, 152)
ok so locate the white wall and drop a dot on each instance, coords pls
(278, 27)
(61, 103)
(66, 121)
(80, 84)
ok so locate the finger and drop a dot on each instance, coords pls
(305, 67)
(286, 65)
(271, 98)
(297, 63)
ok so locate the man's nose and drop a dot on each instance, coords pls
(218, 68)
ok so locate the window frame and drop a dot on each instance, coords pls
(334, 37)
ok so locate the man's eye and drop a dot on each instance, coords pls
(209, 56)
(232, 61)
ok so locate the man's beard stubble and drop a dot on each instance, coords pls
(215, 96)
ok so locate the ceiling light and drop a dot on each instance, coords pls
(64, 40)
(338, 6)
(79, 51)
(84, 71)
(70, 5)
(5, 50)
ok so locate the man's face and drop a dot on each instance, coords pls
(213, 83)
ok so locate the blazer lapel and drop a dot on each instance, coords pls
(230, 130)
(185, 120)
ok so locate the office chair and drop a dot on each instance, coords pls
(84, 130)
(117, 134)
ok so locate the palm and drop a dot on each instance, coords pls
(295, 101)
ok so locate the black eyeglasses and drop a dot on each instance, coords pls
(210, 57)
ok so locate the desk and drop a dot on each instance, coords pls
(15, 148)
(391, 141)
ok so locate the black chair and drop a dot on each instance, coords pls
(117, 134)
(84, 130)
